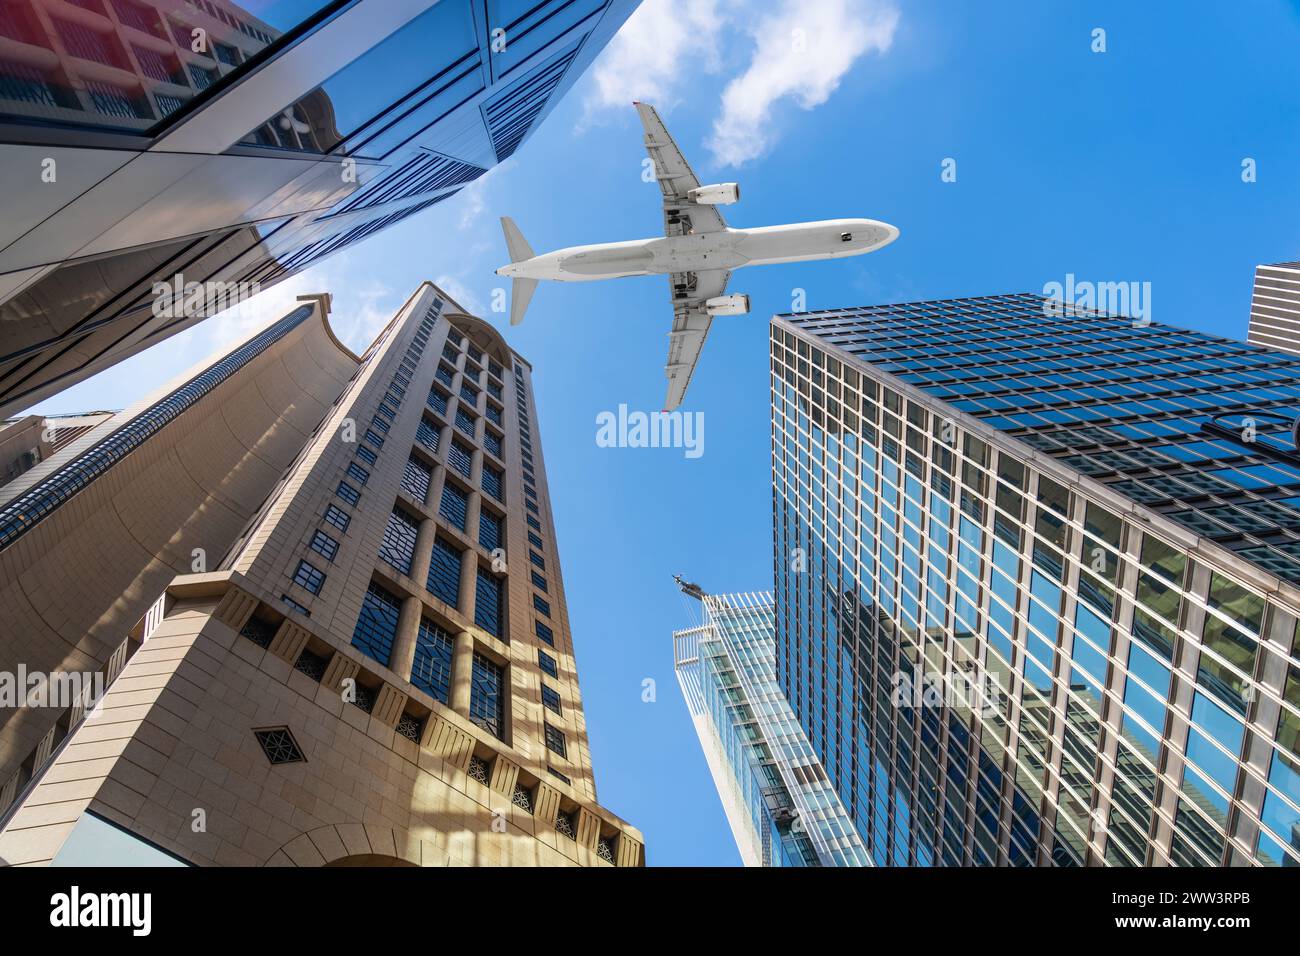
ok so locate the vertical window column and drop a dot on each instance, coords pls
(425, 534)
(462, 671)
(472, 513)
(476, 482)
(437, 481)
(408, 626)
(468, 577)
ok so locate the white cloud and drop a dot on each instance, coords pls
(802, 51)
(657, 52)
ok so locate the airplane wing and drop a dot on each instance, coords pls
(690, 327)
(681, 216)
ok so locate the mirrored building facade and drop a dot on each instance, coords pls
(1038, 582)
(1275, 307)
(782, 807)
(221, 147)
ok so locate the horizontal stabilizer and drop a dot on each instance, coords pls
(521, 293)
(518, 246)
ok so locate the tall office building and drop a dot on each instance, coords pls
(1080, 539)
(91, 535)
(26, 442)
(380, 670)
(216, 148)
(1275, 307)
(779, 802)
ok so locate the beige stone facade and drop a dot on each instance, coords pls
(382, 751)
(73, 585)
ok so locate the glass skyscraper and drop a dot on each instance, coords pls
(1092, 523)
(781, 806)
(236, 144)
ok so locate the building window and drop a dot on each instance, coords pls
(544, 633)
(260, 632)
(308, 577)
(537, 559)
(373, 439)
(337, 517)
(357, 472)
(444, 572)
(431, 669)
(541, 606)
(492, 482)
(547, 664)
(469, 393)
(324, 545)
(539, 582)
(348, 493)
(454, 506)
(479, 770)
(487, 697)
(444, 375)
(438, 401)
(460, 458)
(522, 798)
(426, 434)
(605, 850)
(494, 414)
(415, 480)
(465, 422)
(311, 664)
(490, 531)
(366, 455)
(377, 624)
(551, 699)
(294, 605)
(492, 443)
(398, 546)
(279, 746)
(555, 741)
(410, 726)
(487, 603)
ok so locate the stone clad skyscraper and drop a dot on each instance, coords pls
(380, 670)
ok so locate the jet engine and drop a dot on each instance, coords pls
(735, 304)
(719, 194)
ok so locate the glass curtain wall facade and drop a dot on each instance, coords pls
(1036, 582)
(779, 801)
(147, 144)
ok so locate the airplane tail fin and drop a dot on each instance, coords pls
(515, 241)
(521, 290)
(521, 293)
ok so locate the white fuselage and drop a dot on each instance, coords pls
(728, 249)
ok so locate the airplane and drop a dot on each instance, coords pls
(698, 253)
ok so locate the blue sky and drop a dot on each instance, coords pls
(1115, 166)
